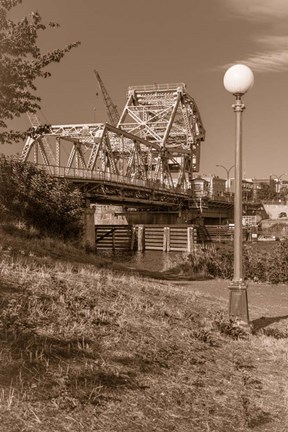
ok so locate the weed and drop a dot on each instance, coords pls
(7, 397)
(229, 327)
(275, 333)
(204, 335)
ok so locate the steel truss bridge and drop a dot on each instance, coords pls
(148, 159)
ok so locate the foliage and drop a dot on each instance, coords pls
(35, 131)
(220, 263)
(259, 265)
(256, 263)
(22, 62)
(283, 193)
(266, 192)
(210, 260)
(31, 195)
(267, 266)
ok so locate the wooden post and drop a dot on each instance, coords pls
(164, 244)
(141, 238)
(113, 240)
(133, 235)
(190, 239)
(95, 238)
(166, 239)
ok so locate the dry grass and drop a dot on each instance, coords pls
(88, 349)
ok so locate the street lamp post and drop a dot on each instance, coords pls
(227, 175)
(237, 80)
(278, 186)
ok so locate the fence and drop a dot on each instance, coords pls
(146, 237)
(217, 233)
(115, 237)
(166, 238)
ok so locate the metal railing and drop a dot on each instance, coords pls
(104, 176)
(153, 87)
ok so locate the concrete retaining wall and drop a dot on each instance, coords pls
(274, 210)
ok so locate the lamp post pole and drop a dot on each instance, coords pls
(237, 80)
(227, 175)
(238, 108)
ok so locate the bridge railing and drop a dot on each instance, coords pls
(153, 87)
(82, 173)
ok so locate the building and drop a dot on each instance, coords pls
(209, 186)
(217, 186)
(247, 189)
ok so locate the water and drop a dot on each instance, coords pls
(155, 261)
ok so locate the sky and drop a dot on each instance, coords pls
(134, 42)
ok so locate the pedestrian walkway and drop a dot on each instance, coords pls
(265, 300)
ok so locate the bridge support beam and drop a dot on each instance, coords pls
(89, 237)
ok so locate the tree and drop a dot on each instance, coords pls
(21, 62)
(52, 206)
(265, 192)
(283, 194)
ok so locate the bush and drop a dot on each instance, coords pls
(211, 261)
(220, 263)
(267, 266)
(263, 266)
(255, 264)
(51, 205)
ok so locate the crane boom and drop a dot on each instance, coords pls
(112, 110)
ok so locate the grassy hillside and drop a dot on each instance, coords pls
(87, 347)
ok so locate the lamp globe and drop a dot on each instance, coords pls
(238, 79)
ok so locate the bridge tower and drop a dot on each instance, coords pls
(166, 115)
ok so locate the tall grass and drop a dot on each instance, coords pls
(85, 348)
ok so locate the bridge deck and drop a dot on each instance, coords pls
(85, 175)
(106, 187)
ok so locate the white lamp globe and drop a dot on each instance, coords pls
(238, 79)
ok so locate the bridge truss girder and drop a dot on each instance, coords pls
(157, 139)
(105, 148)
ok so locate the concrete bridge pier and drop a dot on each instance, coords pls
(89, 238)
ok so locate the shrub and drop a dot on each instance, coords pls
(278, 263)
(220, 263)
(267, 266)
(255, 264)
(211, 261)
(51, 205)
(263, 266)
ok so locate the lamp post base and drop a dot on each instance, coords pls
(238, 302)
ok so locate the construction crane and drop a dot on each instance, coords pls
(112, 110)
